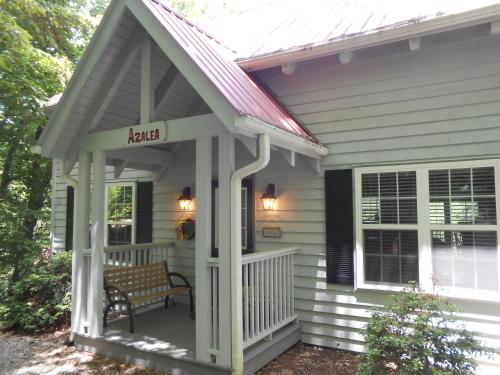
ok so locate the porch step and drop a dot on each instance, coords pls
(260, 354)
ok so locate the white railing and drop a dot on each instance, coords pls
(268, 296)
(137, 254)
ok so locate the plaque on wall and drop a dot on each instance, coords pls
(271, 232)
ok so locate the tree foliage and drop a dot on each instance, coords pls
(40, 42)
(419, 333)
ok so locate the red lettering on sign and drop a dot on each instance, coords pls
(142, 136)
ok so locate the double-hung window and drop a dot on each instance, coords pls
(435, 224)
(120, 214)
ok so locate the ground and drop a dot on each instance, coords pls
(312, 360)
(47, 354)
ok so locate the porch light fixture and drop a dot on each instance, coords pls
(185, 200)
(269, 200)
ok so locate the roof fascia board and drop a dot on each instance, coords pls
(385, 36)
(92, 54)
(192, 73)
(252, 127)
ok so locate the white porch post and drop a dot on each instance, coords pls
(81, 242)
(226, 169)
(97, 260)
(203, 244)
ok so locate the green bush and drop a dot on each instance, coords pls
(418, 333)
(41, 299)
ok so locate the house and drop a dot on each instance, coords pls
(324, 167)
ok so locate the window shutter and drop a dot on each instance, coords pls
(70, 199)
(144, 212)
(339, 227)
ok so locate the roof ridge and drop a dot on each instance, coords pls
(192, 24)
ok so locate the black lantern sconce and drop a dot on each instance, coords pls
(269, 199)
(185, 200)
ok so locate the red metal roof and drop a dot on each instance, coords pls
(245, 95)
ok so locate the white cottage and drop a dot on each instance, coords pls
(293, 186)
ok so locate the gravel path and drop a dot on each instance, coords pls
(47, 354)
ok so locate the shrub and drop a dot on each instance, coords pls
(418, 333)
(41, 299)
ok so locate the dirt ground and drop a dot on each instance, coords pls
(47, 354)
(312, 360)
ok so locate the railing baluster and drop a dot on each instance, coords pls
(246, 308)
(262, 297)
(252, 299)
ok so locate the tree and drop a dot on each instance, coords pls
(40, 41)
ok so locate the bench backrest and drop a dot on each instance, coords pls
(138, 278)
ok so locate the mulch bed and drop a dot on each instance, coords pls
(305, 359)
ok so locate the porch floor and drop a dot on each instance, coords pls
(164, 331)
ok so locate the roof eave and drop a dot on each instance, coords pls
(249, 125)
(374, 38)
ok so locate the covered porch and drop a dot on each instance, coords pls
(145, 99)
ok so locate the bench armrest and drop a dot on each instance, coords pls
(108, 288)
(186, 282)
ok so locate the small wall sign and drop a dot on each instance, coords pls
(271, 232)
(145, 134)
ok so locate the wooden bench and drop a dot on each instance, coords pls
(135, 285)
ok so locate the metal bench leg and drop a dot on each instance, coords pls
(105, 317)
(130, 317)
(166, 301)
(191, 302)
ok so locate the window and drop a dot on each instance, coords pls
(120, 214)
(388, 206)
(247, 209)
(435, 224)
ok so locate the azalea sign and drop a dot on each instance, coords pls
(145, 134)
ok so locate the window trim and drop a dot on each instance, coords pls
(423, 227)
(134, 210)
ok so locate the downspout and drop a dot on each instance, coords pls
(74, 184)
(236, 272)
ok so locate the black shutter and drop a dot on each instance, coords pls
(70, 199)
(339, 227)
(144, 213)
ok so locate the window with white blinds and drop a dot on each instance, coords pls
(389, 200)
(244, 218)
(435, 224)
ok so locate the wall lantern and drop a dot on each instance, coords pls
(269, 200)
(185, 200)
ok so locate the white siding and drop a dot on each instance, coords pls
(433, 104)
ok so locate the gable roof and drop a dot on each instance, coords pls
(205, 64)
(244, 94)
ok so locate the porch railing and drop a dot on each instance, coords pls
(268, 296)
(137, 254)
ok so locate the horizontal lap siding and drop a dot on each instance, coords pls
(433, 104)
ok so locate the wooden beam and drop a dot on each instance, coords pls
(203, 245)
(178, 130)
(114, 78)
(118, 169)
(346, 57)
(97, 245)
(288, 155)
(165, 88)
(147, 91)
(146, 155)
(414, 43)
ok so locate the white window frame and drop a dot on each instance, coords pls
(423, 228)
(134, 213)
